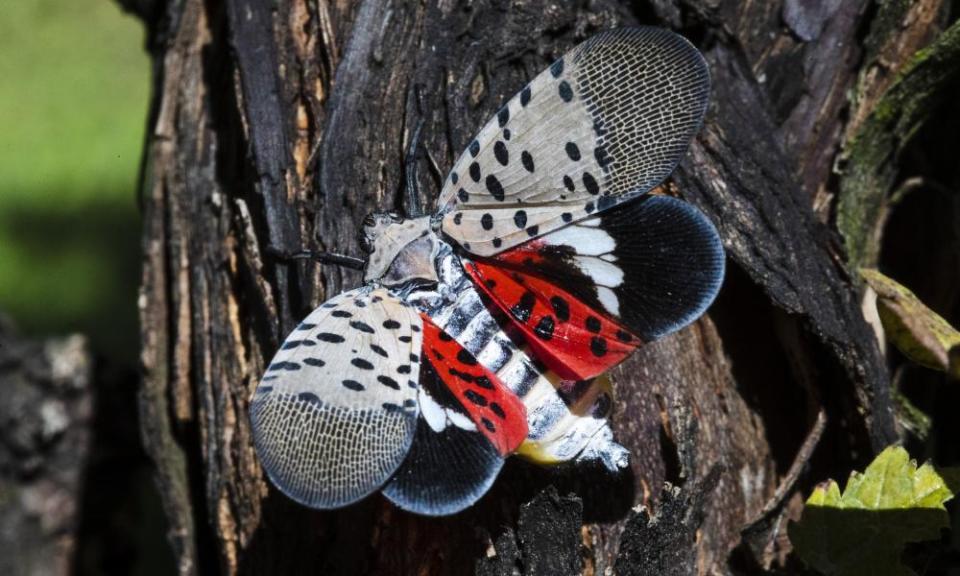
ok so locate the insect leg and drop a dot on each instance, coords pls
(325, 257)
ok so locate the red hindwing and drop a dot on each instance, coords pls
(497, 412)
(570, 337)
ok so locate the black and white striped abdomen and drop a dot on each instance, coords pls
(561, 425)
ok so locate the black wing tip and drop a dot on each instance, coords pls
(445, 473)
(442, 505)
(710, 259)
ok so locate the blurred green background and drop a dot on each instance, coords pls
(73, 103)
(74, 94)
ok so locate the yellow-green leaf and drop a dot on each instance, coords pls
(863, 529)
(917, 331)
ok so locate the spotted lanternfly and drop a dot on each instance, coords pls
(484, 329)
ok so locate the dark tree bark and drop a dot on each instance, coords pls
(46, 429)
(283, 123)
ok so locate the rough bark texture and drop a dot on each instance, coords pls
(283, 123)
(45, 436)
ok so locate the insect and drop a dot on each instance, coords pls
(485, 328)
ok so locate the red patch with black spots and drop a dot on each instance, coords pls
(571, 338)
(498, 413)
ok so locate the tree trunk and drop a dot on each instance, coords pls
(281, 124)
(46, 433)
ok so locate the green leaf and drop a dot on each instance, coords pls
(920, 333)
(863, 530)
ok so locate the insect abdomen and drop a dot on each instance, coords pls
(559, 426)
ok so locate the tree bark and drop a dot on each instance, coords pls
(281, 124)
(46, 433)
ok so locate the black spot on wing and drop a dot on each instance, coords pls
(291, 344)
(361, 326)
(527, 160)
(522, 310)
(566, 93)
(500, 153)
(463, 195)
(388, 382)
(466, 357)
(525, 96)
(593, 324)
(560, 308)
(494, 187)
(590, 183)
(353, 385)
(475, 171)
(309, 398)
(330, 338)
(461, 375)
(598, 346)
(573, 151)
(486, 222)
(287, 366)
(474, 148)
(315, 362)
(544, 328)
(341, 314)
(556, 69)
(379, 350)
(520, 218)
(503, 116)
(391, 324)
(475, 398)
(362, 364)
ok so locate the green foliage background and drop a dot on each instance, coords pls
(73, 104)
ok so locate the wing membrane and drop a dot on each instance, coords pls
(336, 410)
(585, 296)
(605, 123)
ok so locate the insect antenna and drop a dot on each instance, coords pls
(324, 257)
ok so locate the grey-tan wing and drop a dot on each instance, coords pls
(604, 124)
(336, 411)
